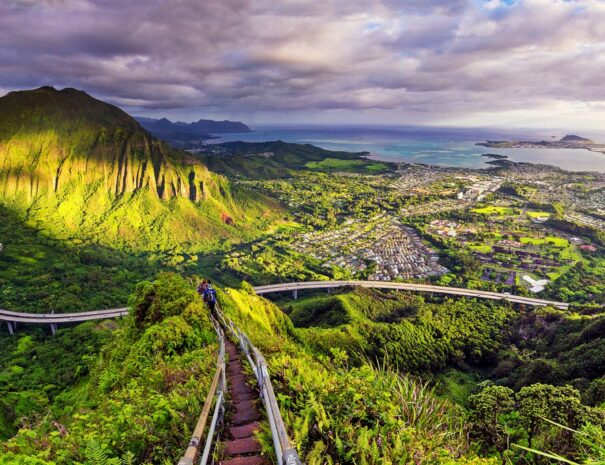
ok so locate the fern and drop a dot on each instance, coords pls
(128, 458)
(96, 455)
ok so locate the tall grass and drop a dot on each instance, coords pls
(591, 442)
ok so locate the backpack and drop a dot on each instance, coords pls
(210, 296)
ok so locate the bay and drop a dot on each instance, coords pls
(454, 147)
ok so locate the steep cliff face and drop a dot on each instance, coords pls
(50, 139)
(41, 165)
(85, 167)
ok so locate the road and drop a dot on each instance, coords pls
(47, 318)
(53, 320)
(457, 291)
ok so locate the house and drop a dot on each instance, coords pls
(537, 285)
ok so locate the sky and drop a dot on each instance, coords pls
(525, 63)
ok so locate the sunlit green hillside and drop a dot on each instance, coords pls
(81, 168)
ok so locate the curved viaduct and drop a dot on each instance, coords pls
(457, 291)
(52, 319)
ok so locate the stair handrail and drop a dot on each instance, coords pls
(217, 391)
(284, 450)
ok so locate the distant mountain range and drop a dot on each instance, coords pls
(164, 128)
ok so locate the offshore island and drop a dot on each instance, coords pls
(570, 141)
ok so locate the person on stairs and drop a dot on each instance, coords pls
(201, 288)
(210, 296)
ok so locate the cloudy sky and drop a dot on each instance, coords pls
(538, 63)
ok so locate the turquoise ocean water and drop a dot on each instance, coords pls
(441, 147)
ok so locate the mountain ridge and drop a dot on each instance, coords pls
(202, 128)
(78, 165)
(80, 134)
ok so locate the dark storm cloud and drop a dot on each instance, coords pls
(424, 59)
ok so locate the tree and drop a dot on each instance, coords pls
(488, 409)
(559, 404)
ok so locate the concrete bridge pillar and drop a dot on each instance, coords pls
(295, 294)
(53, 328)
(11, 328)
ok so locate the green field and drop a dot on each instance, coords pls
(481, 248)
(493, 210)
(538, 214)
(345, 165)
(548, 240)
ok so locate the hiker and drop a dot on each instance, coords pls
(210, 296)
(201, 289)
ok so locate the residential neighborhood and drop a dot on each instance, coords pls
(389, 249)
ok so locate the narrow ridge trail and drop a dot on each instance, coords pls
(240, 445)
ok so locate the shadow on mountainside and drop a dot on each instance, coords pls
(41, 274)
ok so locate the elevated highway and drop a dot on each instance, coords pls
(455, 291)
(54, 319)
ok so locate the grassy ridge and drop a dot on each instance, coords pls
(138, 399)
(404, 331)
(338, 406)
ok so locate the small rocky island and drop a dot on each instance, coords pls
(570, 141)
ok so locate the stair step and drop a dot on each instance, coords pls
(244, 405)
(242, 446)
(242, 417)
(242, 390)
(254, 460)
(241, 396)
(244, 431)
(238, 379)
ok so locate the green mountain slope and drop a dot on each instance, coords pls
(82, 168)
(276, 159)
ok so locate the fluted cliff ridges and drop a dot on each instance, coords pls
(99, 173)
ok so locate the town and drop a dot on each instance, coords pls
(383, 245)
(515, 228)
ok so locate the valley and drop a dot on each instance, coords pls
(98, 213)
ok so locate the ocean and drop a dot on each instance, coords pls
(434, 146)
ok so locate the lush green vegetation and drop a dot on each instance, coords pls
(500, 416)
(41, 274)
(277, 159)
(84, 170)
(324, 200)
(337, 363)
(341, 411)
(403, 331)
(486, 344)
(335, 164)
(138, 399)
(37, 369)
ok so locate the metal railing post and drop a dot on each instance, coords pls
(217, 409)
(218, 380)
